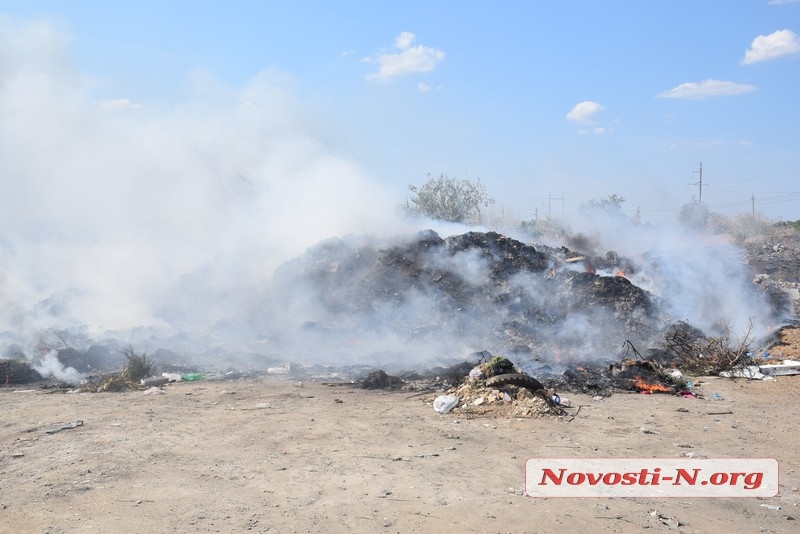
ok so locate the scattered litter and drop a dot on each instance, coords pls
(445, 403)
(771, 507)
(692, 454)
(68, 426)
(191, 377)
(649, 431)
(716, 397)
(155, 381)
(560, 401)
(172, 377)
(155, 390)
(788, 367)
(671, 522)
(751, 372)
(477, 373)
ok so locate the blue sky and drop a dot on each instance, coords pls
(576, 99)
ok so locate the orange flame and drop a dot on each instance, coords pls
(644, 386)
(620, 273)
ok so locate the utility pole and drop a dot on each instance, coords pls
(550, 199)
(699, 183)
(638, 217)
(753, 201)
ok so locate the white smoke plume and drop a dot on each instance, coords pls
(163, 227)
(122, 217)
(50, 366)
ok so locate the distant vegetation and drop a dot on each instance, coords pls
(462, 201)
(791, 225)
(448, 199)
(611, 204)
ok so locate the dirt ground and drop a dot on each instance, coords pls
(271, 455)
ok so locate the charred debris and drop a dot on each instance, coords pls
(480, 288)
(571, 318)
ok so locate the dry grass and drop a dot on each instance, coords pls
(138, 365)
(710, 356)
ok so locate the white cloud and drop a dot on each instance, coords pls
(424, 87)
(707, 88)
(777, 44)
(404, 40)
(745, 142)
(584, 111)
(119, 103)
(410, 59)
(782, 2)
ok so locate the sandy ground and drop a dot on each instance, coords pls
(271, 455)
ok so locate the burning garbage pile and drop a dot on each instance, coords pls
(574, 320)
(577, 320)
(434, 298)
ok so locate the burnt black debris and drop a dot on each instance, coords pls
(17, 371)
(352, 305)
(482, 288)
(506, 256)
(381, 380)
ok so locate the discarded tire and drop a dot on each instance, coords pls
(515, 379)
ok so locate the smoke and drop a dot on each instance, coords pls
(50, 366)
(115, 216)
(214, 226)
(699, 278)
